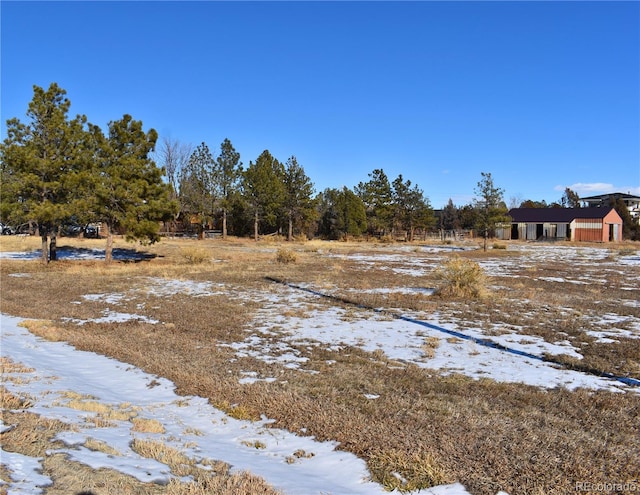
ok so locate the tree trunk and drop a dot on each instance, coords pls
(224, 223)
(290, 232)
(45, 248)
(108, 252)
(53, 253)
(255, 227)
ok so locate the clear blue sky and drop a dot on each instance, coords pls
(543, 95)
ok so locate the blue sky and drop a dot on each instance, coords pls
(543, 95)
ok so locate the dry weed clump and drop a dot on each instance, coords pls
(9, 366)
(10, 401)
(195, 255)
(30, 434)
(180, 464)
(147, 425)
(461, 278)
(402, 471)
(100, 446)
(209, 476)
(105, 413)
(70, 477)
(242, 483)
(237, 411)
(285, 256)
(429, 347)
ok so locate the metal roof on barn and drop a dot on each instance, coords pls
(555, 215)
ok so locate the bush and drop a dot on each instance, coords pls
(461, 278)
(194, 256)
(285, 255)
(499, 246)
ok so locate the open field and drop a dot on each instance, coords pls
(346, 342)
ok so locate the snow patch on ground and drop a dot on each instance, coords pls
(191, 426)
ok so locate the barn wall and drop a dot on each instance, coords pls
(613, 218)
(503, 233)
(522, 231)
(589, 229)
(562, 231)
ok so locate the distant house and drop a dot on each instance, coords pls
(632, 202)
(575, 224)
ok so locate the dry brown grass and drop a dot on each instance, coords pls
(194, 255)
(424, 427)
(147, 425)
(10, 401)
(399, 470)
(460, 278)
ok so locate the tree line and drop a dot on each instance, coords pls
(269, 196)
(55, 170)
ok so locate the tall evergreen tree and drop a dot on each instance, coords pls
(490, 207)
(199, 190)
(412, 209)
(44, 166)
(342, 213)
(264, 190)
(450, 219)
(377, 197)
(229, 174)
(129, 193)
(468, 216)
(298, 200)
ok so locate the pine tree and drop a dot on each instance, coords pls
(449, 221)
(229, 174)
(129, 194)
(298, 191)
(199, 193)
(489, 206)
(45, 167)
(342, 213)
(264, 190)
(412, 209)
(377, 197)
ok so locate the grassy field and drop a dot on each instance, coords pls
(430, 426)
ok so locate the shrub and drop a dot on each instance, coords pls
(499, 246)
(285, 255)
(460, 278)
(194, 256)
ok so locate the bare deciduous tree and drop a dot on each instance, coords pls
(173, 156)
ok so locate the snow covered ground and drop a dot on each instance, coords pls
(203, 432)
(191, 425)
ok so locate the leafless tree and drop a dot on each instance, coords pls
(173, 156)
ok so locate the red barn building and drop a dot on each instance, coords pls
(575, 224)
